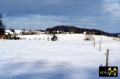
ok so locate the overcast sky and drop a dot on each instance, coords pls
(40, 14)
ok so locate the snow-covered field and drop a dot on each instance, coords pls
(68, 58)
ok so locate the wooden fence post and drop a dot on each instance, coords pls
(100, 47)
(94, 42)
(107, 57)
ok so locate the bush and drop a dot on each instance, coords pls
(54, 38)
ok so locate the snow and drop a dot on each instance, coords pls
(68, 58)
(17, 31)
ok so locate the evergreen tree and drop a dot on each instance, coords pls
(2, 27)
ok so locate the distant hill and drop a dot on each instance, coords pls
(73, 29)
(116, 34)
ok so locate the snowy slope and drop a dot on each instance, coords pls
(68, 58)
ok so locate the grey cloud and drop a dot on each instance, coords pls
(53, 7)
(44, 21)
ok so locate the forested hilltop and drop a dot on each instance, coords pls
(73, 29)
